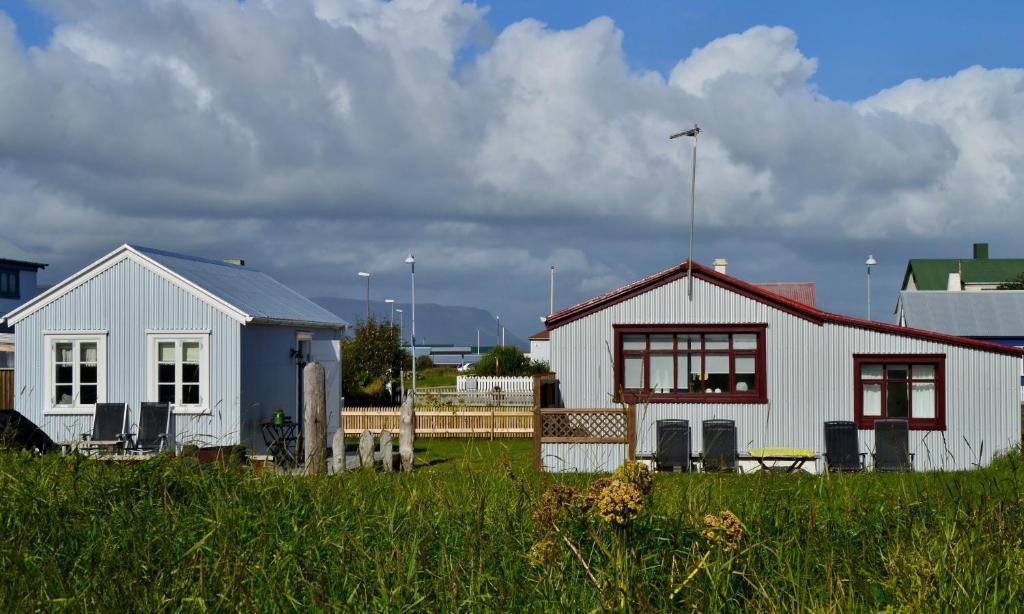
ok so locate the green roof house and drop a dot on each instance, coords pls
(977, 273)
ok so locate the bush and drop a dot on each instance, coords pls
(508, 361)
(424, 362)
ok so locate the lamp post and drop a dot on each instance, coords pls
(551, 294)
(367, 276)
(391, 301)
(411, 261)
(693, 199)
(401, 321)
(497, 335)
(870, 262)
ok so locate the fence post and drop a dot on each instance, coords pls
(538, 422)
(407, 431)
(315, 417)
(631, 431)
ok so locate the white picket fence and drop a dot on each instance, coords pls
(487, 384)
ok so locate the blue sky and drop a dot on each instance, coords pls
(318, 143)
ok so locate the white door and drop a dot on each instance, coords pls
(328, 354)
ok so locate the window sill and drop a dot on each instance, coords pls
(868, 424)
(749, 399)
(190, 411)
(69, 411)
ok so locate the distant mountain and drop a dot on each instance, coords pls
(435, 324)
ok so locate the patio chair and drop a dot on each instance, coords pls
(841, 447)
(109, 428)
(719, 449)
(154, 427)
(892, 445)
(673, 451)
(18, 432)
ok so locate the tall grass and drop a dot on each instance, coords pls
(169, 535)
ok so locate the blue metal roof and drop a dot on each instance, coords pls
(257, 294)
(13, 253)
(986, 313)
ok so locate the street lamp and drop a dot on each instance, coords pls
(497, 336)
(401, 370)
(693, 199)
(411, 261)
(391, 301)
(870, 262)
(401, 321)
(367, 276)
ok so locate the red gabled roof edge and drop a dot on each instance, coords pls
(543, 335)
(796, 308)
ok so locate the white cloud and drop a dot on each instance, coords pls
(322, 134)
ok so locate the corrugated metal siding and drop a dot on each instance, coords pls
(126, 300)
(810, 377)
(583, 457)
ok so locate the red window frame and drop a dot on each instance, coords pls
(758, 395)
(938, 361)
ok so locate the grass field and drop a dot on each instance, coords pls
(471, 531)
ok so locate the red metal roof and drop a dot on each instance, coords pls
(758, 293)
(799, 291)
(541, 336)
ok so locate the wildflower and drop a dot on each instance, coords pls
(724, 530)
(619, 503)
(555, 503)
(594, 492)
(638, 474)
(542, 553)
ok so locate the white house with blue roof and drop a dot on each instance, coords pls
(223, 343)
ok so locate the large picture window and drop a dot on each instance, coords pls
(75, 372)
(691, 363)
(911, 387)
(178, 374)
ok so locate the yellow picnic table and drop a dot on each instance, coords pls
(796, 457)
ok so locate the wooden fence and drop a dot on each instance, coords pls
(6, 389)
(485, 383)
(583, 427)
(464, 421)
(483, 398)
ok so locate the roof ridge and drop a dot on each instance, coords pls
(163, 252)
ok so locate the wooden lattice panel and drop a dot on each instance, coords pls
(607, 425)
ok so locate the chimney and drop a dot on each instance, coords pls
(953, 283)
(721, 264)
(981, 251)
(234, 261)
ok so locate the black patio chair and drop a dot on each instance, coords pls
(892, 445)
(109, 428)
(154, 428)
(673, 451)
(18, 432)
(719, 449)
(842, 451)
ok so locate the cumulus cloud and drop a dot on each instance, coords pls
(320, 137)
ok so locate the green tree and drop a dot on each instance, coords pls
(1015, 283)
(371, 360)
(508, 361)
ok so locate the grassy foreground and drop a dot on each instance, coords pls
(462, 533)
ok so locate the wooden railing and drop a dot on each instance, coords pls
(463, 421)
(6, 389)
(483, 398)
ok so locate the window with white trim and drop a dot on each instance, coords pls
(179, 371)
(76, 371)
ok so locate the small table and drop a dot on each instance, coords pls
(796, 457)
(281, 441)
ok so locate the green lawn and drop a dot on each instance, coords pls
(472, 530)
(434, 376)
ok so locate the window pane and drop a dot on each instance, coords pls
(165, 351)
(717, 368)
(165, 374)
(923, 399)
(871, 371)
(872, 399)
(63, 395)
(896, 371)
(190, 373)
(716, 342)
(191, 351)
(687, 382)
(87, 395)
(87, 374)
(633, 369)
(661, 372)
(165, 393)
(63, 352)
(87, 352)
(63, 374)
(744, 342)
(634, 342)
(896, 401)
(746, 380)
(190, 394)
(661, 342)
(688, 342)
(923, 371)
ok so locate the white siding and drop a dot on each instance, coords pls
(810, 377)
(583, 457)
(126, 300)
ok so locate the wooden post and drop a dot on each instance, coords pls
(407, 431)
(387, 457)
(631, 431)
(338, 447)
(366, 449)
(314, 394)
(538, 425)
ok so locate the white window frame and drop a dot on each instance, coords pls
(76, 338)
(179, 337)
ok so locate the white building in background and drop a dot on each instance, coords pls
(540, 348)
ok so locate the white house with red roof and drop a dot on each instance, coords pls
(778, 367)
